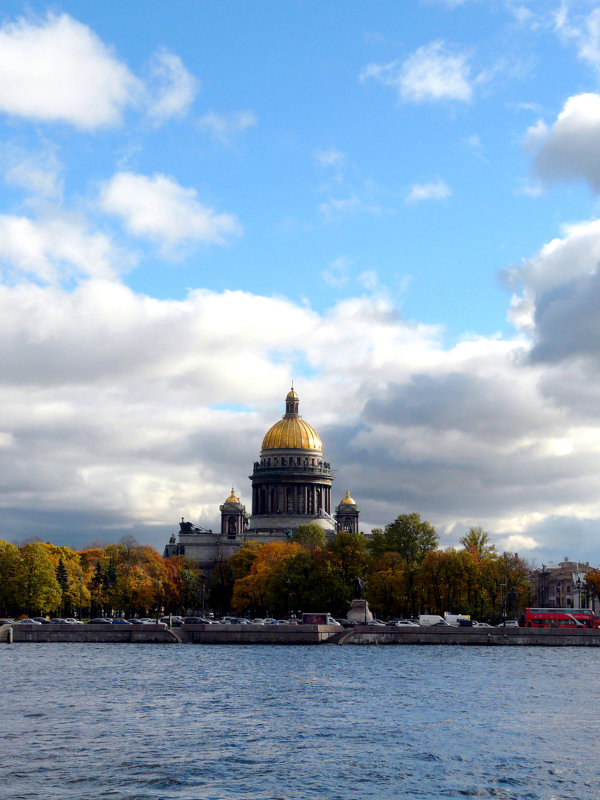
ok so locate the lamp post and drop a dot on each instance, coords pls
(578, 585)
(543, 585)
(502, 602)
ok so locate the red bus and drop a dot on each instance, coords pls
(561, 618)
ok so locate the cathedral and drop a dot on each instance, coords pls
(291, 486)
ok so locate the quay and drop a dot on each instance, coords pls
(303, 635)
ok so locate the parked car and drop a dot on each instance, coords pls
(175, 621)
(196, 621)
(41, 620)
(26, 621)
(73, 621)
(7, 621)
(509, 623)
(271, 621)
(120, 621)
(58, 621)
(377, 622)
(100, 621)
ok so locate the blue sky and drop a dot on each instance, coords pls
(392, 203)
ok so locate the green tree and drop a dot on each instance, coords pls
(477, 543)
(10, 559)
(409, 536)
(309, 535)
(62, 579)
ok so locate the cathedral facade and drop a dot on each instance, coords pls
(291, 486)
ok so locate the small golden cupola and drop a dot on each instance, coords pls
(348, 501)
(232, 498)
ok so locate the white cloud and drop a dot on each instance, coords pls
(226, 127)
(433, 72)
(173, 87)
(54, 249)
(570, 149)
(433, 190)
(339, 207)
(58, 70)
(128, 393)
(583, 30)
(40, 174)
(159, 209)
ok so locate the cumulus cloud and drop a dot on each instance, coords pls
(152, 409)
(160, 209)
(225, 128)
(570, 149)
(57, 70)
(433, 190)
(433, 72)
(54, 249)
(173, 88)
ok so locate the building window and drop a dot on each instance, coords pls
(283, 461)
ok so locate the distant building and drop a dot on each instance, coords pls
(562, 586)
(291, 486)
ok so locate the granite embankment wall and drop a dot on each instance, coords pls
(303, 634)
(140, 634)
(259, 634)
(512, 637)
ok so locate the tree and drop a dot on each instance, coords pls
(10, 559)
(37, 587)
(408, 536)
(309, 536)
(62, 580)
(477, 543)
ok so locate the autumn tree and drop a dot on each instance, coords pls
(37, 587)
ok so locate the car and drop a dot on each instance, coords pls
(509, 623)
(377, 622)
(173, 620)
(26, 621)
(271, 621)
(41, 620)
(258, 621)
(58, 621)
(7, 621)
(100, 621)
(73, 621)
(441, 624)
(120, 621)
(484, 625)
(196, 621)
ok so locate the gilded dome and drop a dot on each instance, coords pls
(232, 498)
(348, 501)
(292, 432)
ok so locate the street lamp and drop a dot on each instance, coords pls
(502, 588)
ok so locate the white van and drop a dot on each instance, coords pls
(431, 619)
(458, 620)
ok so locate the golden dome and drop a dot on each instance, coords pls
(232, 498)
(347, 499)
(292, 432)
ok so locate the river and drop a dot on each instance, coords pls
(153, 722)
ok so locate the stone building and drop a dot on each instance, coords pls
(291, 486)
(562, 586)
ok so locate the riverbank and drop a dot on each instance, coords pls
(303, 635)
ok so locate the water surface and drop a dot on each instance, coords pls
(154, 722)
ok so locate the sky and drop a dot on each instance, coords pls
(394, 205)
